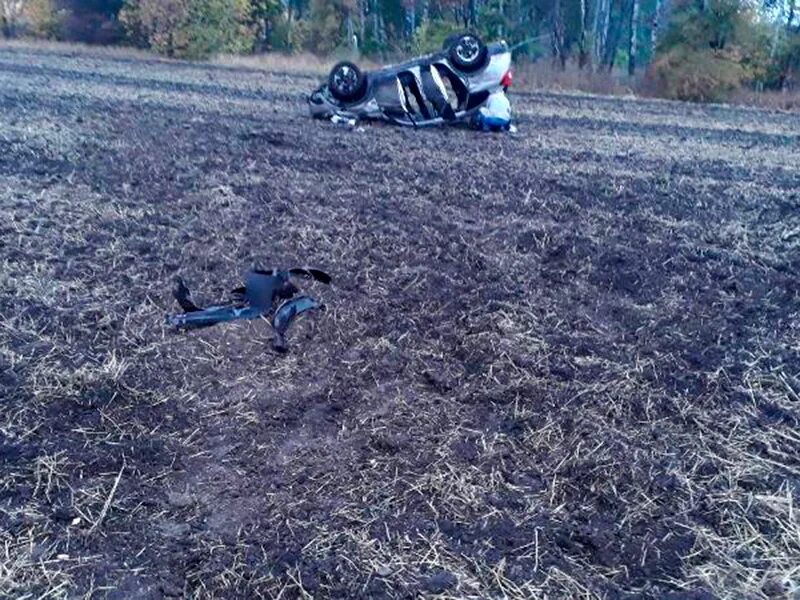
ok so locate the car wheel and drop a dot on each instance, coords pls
(468, 53)
(347, 82)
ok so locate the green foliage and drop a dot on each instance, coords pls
(264, 14)
(42, 19)
(189, 28)
(324, 34)
(216, 26)
(265, 9)
(784, 69)
(710, 25)
(430, 36)
(492, 22)
(288, 35)
(710, 49)
(621, 58)
(157, 24)
(697, 75)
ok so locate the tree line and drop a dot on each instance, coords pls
(692, 49)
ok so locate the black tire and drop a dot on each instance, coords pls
(468, 53)
(346, 82)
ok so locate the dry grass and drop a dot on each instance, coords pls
(81, 50)
(787, 100)
(299, 64)
(544, 75)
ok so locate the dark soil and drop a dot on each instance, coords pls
(560, 363)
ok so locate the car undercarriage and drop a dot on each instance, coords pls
(445, 87)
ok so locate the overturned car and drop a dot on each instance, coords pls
(449, 86)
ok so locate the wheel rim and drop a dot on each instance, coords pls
(468, 49)
(345, 79)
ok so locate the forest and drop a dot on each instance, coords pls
(686, 49)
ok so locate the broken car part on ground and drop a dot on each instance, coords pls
(253, 300)
(449, 86)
